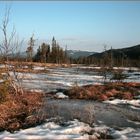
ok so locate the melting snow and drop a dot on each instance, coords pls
(51, 130)
(130, 102)
(39, 68)
(64, 78)
(72, 130)
(37, 90)
(61, 95)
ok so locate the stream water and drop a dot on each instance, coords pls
(93, 112)
(119, 118)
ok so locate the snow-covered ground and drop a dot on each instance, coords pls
(70, 130)
(50, 130)
(58, 78)
(133, 103)
(64, 78)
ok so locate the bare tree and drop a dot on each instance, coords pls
(111, 58)
(29, 50)
(9, 45)
(6, 45)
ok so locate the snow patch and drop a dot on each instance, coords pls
(2, 66)
(37, 90)
(127, 68)
(61, 95)
(122, 134)
(135, 103)
(51, 130)
(38, 68)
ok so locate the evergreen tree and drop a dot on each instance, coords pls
(37, 57)
(45, 51)
(56, 54)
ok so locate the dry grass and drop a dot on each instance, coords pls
(49, 65)
(29, 66)
(20, 111)
(103, 92)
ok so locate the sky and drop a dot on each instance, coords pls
(81, 25)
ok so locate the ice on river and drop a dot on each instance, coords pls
(133, 103)
(65, 78)
(58, 78)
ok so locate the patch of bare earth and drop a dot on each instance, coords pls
(21, 111)
(118, 90)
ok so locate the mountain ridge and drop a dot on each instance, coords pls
(132, 52)
(79, 53)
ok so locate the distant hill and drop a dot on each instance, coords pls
(132, 53)
(20, 54)
(71, 53)
(78, 53)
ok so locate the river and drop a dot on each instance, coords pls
(120, 121)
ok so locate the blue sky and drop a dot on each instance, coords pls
(81, 25)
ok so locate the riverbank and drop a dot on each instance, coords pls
(108, 91)
(21, 111)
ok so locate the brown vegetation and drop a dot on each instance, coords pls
(103, 92)
(21, 111)
(48, 65)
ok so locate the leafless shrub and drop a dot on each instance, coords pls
(70, 111)
(118, 75)
(9, 45)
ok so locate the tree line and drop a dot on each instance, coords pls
(47, 53)
(53, 53)
(109, 58)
